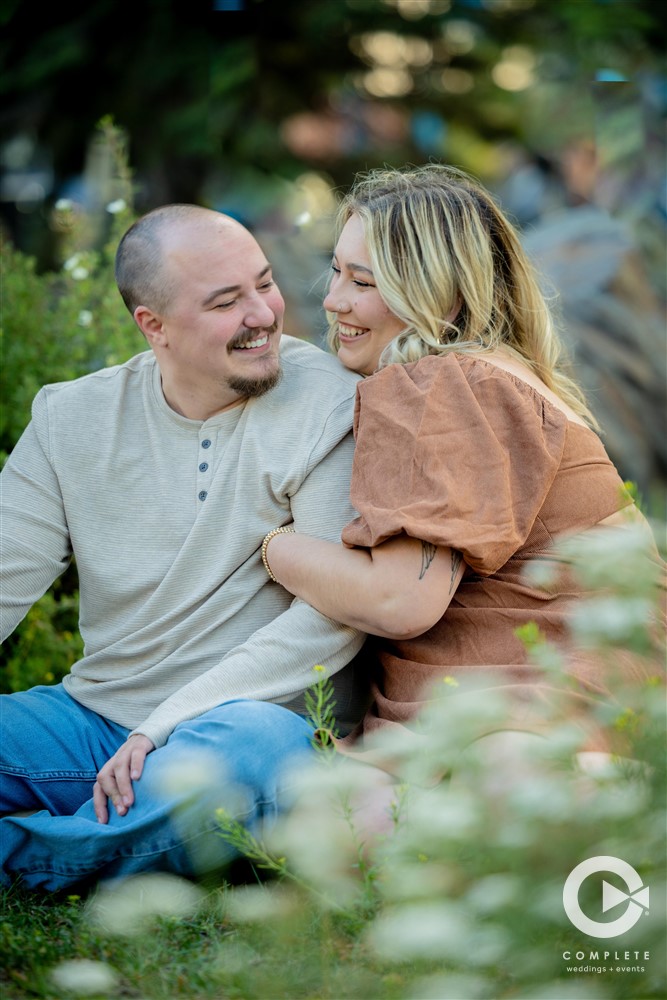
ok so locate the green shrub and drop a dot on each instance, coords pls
(46, 644)
(57, 326)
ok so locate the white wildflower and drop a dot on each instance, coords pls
(117, 206)
(433, 930)
(76, 265)
(85, 978)
(85, 317)
(256, 903)
(127, 906)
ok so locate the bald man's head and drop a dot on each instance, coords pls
(141, 273)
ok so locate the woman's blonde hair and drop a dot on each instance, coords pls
(450, 265)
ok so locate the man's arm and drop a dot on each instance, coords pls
(276, 662)
(34, 538)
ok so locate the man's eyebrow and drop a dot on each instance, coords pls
(227, 289)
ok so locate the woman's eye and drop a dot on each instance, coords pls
(355, 281)
(267, 284)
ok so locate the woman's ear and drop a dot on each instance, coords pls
(456, 310)
(151, 326)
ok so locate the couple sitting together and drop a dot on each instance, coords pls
(242, 506)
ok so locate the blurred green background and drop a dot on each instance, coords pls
(266, 108)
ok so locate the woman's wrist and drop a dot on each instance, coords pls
(285, 529)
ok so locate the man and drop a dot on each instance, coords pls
(161, 477)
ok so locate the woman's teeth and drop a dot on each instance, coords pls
(350, 331)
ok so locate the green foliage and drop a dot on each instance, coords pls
(57, 326)
(204, 93)
(60, 325)
(56, 947)
(46, 645)
(249, 846)
(320, 705)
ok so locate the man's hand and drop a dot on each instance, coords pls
(114, 781)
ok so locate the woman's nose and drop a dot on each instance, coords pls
(335, 304)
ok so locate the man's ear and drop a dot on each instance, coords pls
(151, 326)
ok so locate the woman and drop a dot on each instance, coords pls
(474, 449)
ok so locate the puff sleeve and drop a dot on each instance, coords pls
(454, 451)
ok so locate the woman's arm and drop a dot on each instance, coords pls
(398, 589)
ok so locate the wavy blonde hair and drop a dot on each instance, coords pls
(441, 248)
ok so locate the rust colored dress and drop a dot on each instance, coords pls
(458, 452)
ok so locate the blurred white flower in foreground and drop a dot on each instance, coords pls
(85, 978)
(128, 905)
(256, 903)
(323, 833)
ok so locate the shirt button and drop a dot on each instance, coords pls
(203, 467)
(203, 495)
(206, 443)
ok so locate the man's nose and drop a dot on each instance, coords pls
(259, 313)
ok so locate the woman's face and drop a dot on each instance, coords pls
(365, 324)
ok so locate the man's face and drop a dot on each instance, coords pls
(220, 331)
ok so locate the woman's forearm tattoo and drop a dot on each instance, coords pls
(457, 559)
(428, 555)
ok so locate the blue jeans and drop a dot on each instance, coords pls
(235, 757)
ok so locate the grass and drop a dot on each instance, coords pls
(204, 956)
(41, 933)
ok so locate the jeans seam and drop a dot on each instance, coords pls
(68, 775)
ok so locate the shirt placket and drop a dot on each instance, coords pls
(204, 466)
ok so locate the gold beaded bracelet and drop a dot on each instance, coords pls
(286, 529)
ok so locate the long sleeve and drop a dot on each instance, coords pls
(276, 662)
(34, 539)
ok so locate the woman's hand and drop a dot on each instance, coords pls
(114, 780)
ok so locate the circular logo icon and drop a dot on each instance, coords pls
(636, 897)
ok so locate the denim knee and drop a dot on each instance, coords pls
(51, 750)
(258, 740)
